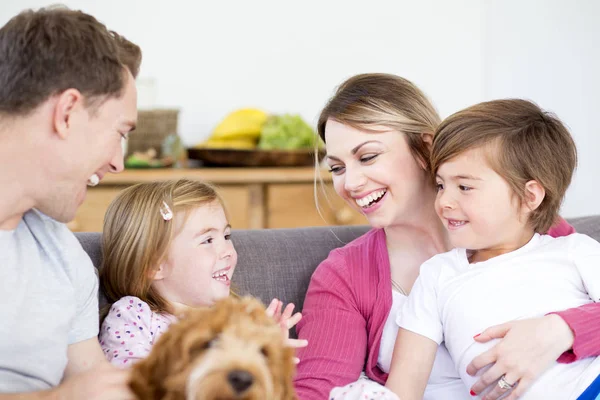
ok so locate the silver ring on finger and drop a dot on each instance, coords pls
(504, 385)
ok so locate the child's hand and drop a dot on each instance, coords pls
(286, 320)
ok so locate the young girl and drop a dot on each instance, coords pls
(166, 248)
(502, 169)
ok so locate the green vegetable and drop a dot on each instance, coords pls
(287, 132)
(135, 162)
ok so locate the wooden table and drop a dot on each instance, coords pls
(255, 197)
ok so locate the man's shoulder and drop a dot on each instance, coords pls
(48, 230)
(56, 240)
(41, 224)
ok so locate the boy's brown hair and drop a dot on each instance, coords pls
(45, 52)
(522, 143)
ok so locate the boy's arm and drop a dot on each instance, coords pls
(412, 362)
(421, 331)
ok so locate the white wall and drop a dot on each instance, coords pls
(209, 58)
(549, 51)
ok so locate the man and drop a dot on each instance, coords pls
(67, 101)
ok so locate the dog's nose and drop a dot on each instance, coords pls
(240, 380)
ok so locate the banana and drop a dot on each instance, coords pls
(238, 144)
(245, 123)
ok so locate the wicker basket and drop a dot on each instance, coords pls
(153, 126)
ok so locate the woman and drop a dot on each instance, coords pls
(377, 129)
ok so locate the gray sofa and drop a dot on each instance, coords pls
(279, 262)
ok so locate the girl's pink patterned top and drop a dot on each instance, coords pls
(130, 329)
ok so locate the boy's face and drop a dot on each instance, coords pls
(201, 259)
(478, 207)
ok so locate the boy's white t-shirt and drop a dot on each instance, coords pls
(444, 382)
(453, 300)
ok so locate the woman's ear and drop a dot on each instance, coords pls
(534, 195)
(427, 138)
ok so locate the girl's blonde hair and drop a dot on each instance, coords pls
(368, 101)
(136, 237)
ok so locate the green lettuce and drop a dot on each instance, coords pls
(287, 132)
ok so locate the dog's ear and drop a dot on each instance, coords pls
(162, 375)
(140, 382)
(147, 379)
(147, 376)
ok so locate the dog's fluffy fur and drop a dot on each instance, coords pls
(211, 351)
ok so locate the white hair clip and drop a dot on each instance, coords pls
(165, 211)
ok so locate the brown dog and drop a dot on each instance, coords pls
(232, 350)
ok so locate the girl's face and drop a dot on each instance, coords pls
(478, 208)
(375, 173)
(200, 261)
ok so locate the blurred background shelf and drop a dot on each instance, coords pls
(255, 197)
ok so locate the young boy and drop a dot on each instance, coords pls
(501, 169)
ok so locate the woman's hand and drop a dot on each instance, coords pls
(286, 320)
(526, 349)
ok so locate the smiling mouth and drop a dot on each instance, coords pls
(454, 223)
(221, 275)
(371, 199)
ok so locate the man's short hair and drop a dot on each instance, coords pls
(45, 52)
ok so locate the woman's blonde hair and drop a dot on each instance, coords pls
(522, 143)
(368, 101)
(136, 238)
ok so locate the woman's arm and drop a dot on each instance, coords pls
(583, 322)
(336, 332)
(411, 365)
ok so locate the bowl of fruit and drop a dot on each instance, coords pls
(250, 137)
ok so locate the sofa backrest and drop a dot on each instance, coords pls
(279, 262)
(271, 262)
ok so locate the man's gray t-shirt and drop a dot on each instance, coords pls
(48, 301)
